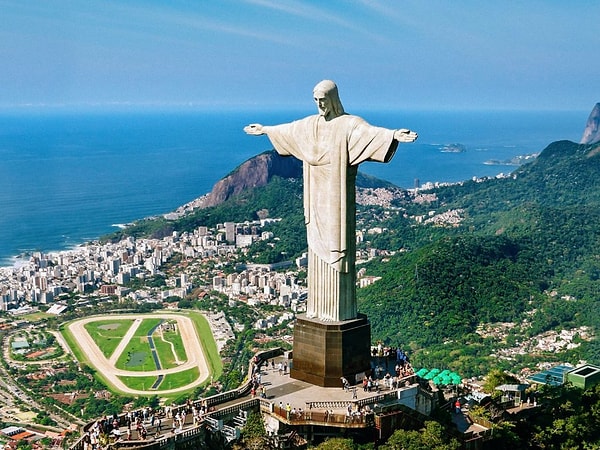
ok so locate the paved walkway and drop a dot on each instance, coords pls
(284, 389)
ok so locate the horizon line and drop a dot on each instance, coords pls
(227, 107)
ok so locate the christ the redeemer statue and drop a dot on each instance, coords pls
(331, 145)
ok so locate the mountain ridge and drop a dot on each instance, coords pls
(526, 243)
(260, 169)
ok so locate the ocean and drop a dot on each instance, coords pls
(69, 177)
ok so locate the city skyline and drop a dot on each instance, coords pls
(264, 54)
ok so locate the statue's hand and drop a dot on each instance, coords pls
(405, 135)
(255, 129)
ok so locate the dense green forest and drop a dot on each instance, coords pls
(525, 253)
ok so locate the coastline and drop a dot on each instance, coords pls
(21, 260)
(88, 172)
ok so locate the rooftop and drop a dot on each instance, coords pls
(552, 377)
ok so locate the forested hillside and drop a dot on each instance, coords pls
(526, 253)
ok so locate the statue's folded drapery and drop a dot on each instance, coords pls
(331, 151)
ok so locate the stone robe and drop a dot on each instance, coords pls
(331, 152)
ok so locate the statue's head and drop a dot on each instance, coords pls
(327, 99)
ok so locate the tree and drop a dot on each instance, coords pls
(431, 437)
(24, 445)
(337, 444)
(254, 435)
(496, 378)
(569, 418)
(405, 440)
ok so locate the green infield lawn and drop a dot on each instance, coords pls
(137, 356)
(139, 383)
(174, 380)
(108, 333)
(169, 346)
(170, 381)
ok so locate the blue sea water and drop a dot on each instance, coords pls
(69, 177)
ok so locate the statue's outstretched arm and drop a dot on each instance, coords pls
(405, 135)
(255, 129)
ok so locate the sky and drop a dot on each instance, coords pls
(396, 54)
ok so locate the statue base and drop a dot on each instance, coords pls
(326, 351)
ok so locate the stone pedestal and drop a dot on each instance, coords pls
(326, 351)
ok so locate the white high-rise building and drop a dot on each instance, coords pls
(229, 231)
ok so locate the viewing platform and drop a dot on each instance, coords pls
(290, 406)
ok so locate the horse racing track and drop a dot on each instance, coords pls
(141, 354)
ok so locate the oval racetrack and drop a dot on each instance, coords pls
(189, 336)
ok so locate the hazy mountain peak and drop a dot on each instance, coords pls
(591, 134)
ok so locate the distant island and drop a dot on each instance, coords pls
(514, 161)
(454, 148)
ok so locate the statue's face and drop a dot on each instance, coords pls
(323, 104)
